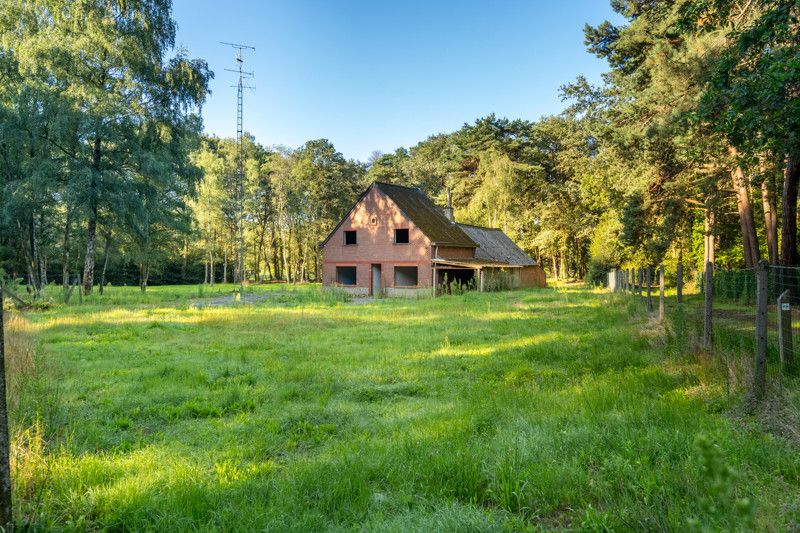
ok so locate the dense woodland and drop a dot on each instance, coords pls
(688, 149)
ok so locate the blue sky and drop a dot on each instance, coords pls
(377, 75)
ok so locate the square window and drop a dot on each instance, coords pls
(405, 276)
(346, 275)
(401, 236)
(350, 238)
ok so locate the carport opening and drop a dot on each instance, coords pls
(456, 279)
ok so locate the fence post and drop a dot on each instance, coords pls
(633, 281)
(708, 326)
(785, 331)
(760, 379)
(649, 283)
(661, 293)
(679, 281)
(641, 281)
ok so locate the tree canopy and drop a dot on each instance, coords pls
(688, 149)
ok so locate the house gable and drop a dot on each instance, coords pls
(374, 218)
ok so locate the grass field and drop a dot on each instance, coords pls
(533, 410)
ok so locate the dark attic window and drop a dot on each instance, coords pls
(401, 236)
(346, 275)
(350, 238)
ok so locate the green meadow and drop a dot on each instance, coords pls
(298, 410)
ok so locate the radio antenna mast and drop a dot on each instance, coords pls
(238, 182)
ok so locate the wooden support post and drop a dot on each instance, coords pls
(760, 378)
(708, 326)
(661, 293)
(482, 277)
(785, 341)
(679, 282)
(649, 281)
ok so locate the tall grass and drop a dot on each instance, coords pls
(526, 410)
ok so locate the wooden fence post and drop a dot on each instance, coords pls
(641, 282)
(661, 293)
(6, 518)
(760, 378)
(785, 341)
(679, 281)
(633, 281)
(649, 281)
(708, 325)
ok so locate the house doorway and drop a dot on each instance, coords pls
(375, 285)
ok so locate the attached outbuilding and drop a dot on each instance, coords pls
(396, 241)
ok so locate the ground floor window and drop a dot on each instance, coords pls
(405, 276)
(346, 275)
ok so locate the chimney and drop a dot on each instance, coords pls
(448, 211)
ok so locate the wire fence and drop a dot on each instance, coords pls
(754, 313)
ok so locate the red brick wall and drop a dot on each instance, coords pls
(376, 244)
(456, 253)
(534, 277)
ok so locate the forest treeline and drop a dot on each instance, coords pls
(687, 149)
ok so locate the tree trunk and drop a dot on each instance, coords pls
(708, 251)
(211, 275)
(6, 518)
(29, 265)
(41, 252)
(276, 269)
(184, 260)
(259, 251)
(105, 261)
(34, 251)
(91, 226)
(225, 263)
(65, 268)
(746, 220)
(300, 264)
(284, 245)
(791, 181)
(770, 219)
(144, 273)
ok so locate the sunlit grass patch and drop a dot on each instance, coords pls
(303, 412)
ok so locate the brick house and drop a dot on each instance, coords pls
(396, 241)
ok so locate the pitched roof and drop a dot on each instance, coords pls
(426, 215)
(496, 246)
